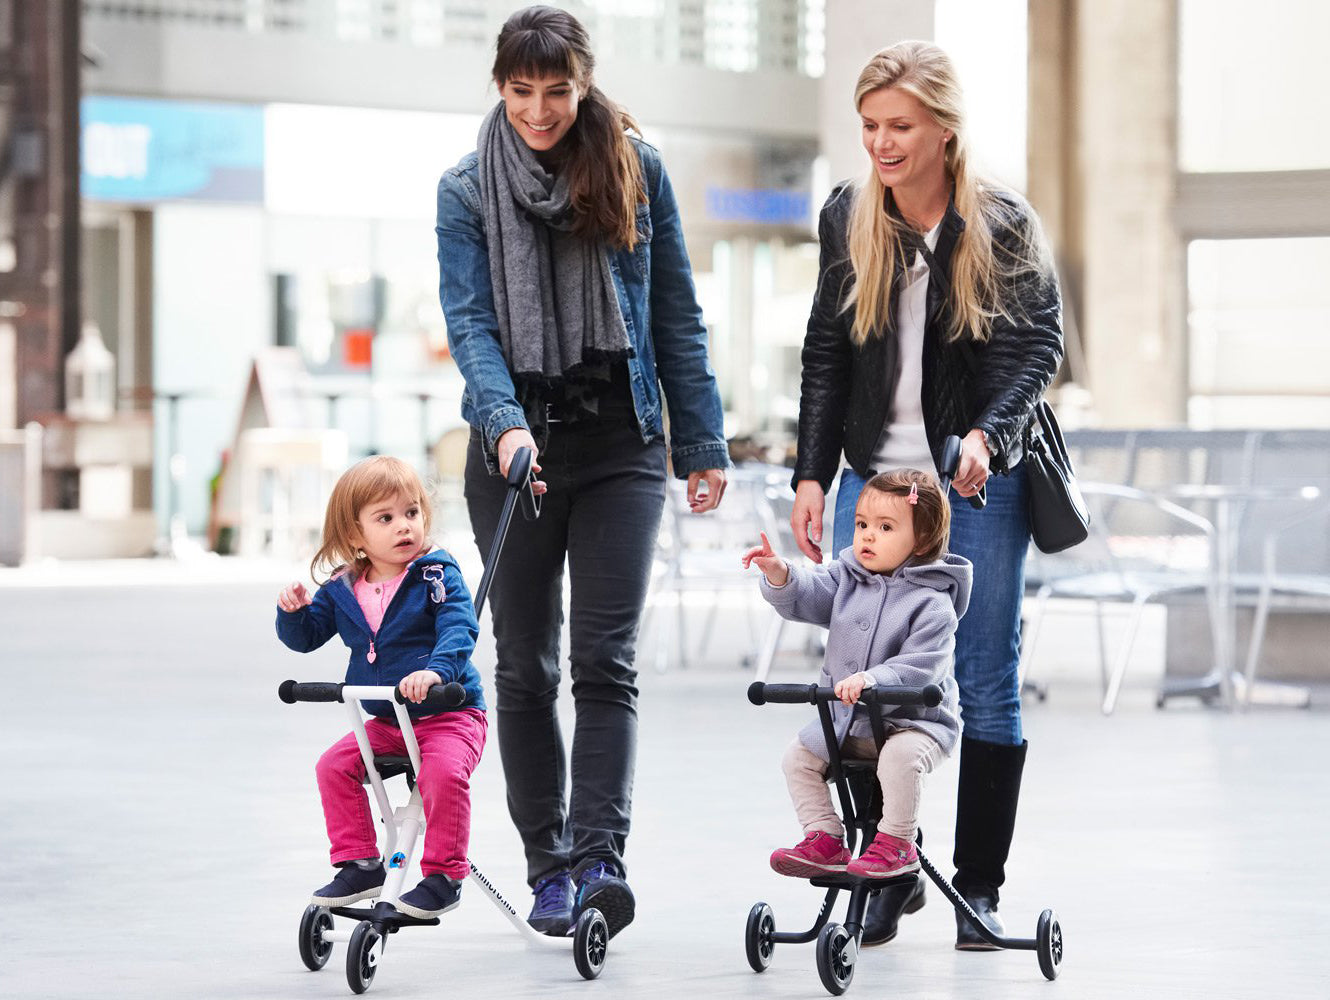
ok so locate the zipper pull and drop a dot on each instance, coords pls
(372, 655)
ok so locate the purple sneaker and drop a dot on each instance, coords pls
(552, 913)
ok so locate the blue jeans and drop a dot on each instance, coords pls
(988, 639)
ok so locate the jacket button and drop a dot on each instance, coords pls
(863, 625)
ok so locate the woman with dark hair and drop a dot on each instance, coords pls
(937, 313)
(570, 305)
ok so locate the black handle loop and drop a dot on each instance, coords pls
(520, 477)
(951, 458)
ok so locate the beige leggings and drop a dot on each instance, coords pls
(906, 757)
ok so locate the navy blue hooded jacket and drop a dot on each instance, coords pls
(419, 631)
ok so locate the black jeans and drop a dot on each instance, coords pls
(602, 512)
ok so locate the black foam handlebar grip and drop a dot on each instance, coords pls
(450, 695)
(782, 694)
(292, 692)
(929, 695)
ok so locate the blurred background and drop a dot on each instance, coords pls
(218, 288)
(217, 267)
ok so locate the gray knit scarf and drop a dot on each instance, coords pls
(554, 296)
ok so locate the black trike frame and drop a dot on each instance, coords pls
(861, 808)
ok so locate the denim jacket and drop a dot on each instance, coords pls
(655, 285)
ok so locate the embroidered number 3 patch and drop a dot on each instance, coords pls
(434, 577)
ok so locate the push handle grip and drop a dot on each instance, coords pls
(951, 458)
(450, 695)
(520, 477)
(930, 695)
(292, 691)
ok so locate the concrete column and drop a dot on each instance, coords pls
(855, 30)
(1103, 174)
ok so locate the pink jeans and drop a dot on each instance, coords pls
(450, 748)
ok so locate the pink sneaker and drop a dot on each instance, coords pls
(817, 854)
(886, 857)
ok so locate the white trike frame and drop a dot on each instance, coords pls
(402, 825)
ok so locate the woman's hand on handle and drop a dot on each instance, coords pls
(772, 566)
(294, 597)
(509, 442)
(972, 470)
(806, 519)
(699, 500)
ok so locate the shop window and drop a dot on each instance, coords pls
(1252, 80)
(1259, 332)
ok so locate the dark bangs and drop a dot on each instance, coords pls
(534, 53)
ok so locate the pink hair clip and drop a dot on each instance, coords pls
(913, 498)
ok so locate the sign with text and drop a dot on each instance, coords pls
(763, 205)
(147, 151)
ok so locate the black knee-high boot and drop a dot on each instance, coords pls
(989, 788)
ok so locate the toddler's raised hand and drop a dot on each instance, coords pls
(294, 597)
(848, 690)
(772, 566)
(415, 686)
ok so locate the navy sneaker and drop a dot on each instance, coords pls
(434, 895)
(552, 913)
(600, 886)
(350, 885)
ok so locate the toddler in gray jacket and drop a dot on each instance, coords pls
(891, 602)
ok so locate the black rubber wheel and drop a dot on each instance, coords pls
(757, 936)
(1048, 937)
(314, 950)
(591, 940)
(361, 960)
(836, 973)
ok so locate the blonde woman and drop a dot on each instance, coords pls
(937, 312)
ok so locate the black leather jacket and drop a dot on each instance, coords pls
(846, 392)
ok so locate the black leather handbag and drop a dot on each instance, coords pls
(1059, 517)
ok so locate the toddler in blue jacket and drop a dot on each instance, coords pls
(891, 602)
(405, 613)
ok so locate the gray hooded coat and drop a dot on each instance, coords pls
(899, 628)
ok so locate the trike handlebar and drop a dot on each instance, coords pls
(450, 695)
(929, 695)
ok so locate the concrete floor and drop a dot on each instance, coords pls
(163, 829)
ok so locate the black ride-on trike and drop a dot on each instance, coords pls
(861, 808)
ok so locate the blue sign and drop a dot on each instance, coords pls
(146, 151)
(766, 205)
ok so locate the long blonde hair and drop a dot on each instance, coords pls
(979, 275)
(370, 480)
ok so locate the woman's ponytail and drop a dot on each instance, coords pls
(604, 173)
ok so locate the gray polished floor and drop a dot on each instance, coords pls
(162, 829)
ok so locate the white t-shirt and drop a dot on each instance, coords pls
(903, 443)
